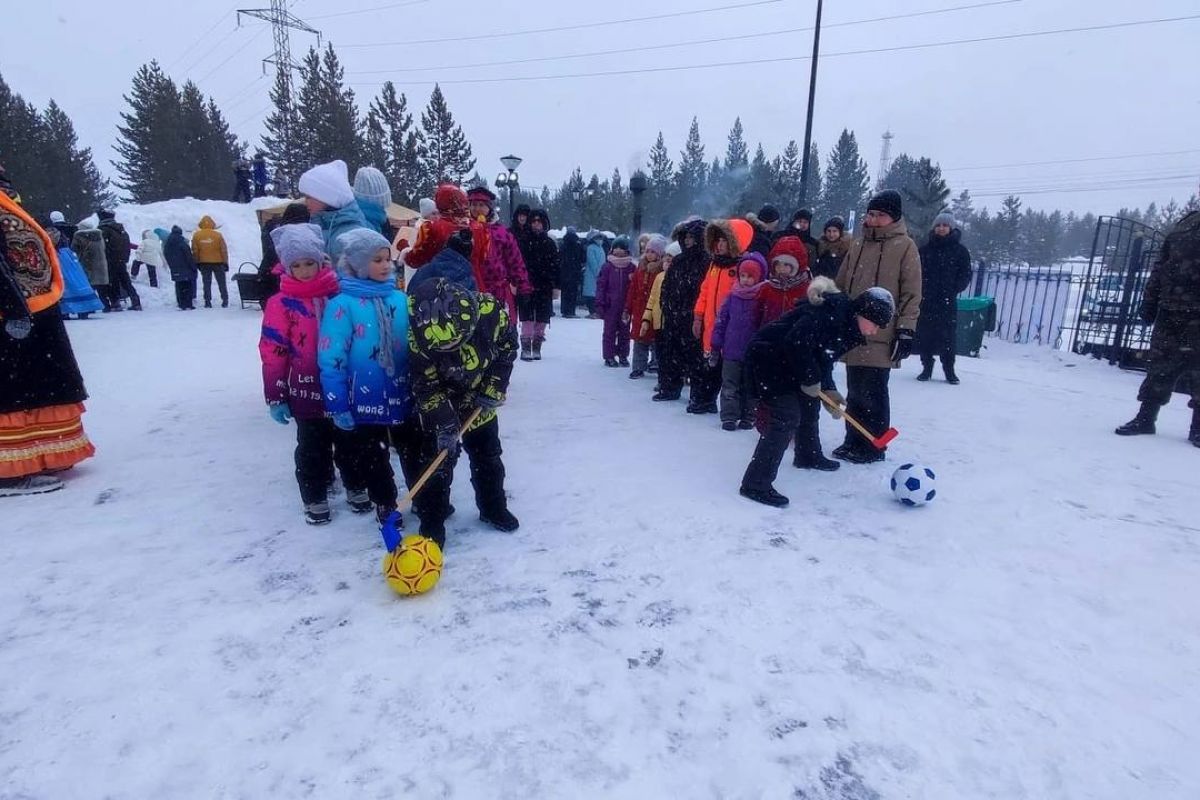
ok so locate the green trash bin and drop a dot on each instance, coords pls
(975, 316)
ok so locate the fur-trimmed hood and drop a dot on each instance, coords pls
(737, 233)
(693, 226)
(820, 289)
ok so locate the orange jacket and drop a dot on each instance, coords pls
(208, 245)
(721, 277)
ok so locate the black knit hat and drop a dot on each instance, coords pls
(803, 213)
(461, 242)
(889, 202)
(875, 304)
(768, 214)
(836, 222)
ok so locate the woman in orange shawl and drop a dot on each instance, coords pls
(41, 390)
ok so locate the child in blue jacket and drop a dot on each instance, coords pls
(363, 358)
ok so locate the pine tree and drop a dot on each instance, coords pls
(221, 149)
(812, 193)
(284, 139)
(394, 145)
(846, 181)
(787, 178)
(759, 187)
(444, 150)
(660, 206)
(737, 154)
(693, 169)
(149, 165)
(962, 209)
(1008, 245)
(925, 197)
(328, 116)
(20, 135)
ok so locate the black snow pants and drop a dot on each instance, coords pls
(867, 400)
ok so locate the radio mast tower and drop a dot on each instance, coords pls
(885, 159)
(282, 21)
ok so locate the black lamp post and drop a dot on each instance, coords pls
(510, 179)
(812, 91)
(582, 197)
(637, 185)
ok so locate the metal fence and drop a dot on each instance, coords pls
(1088, 306)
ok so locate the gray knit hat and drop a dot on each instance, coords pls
(359, 246)
(371, 184)
(945, 218)
(295, 243)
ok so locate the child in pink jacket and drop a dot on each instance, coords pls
(291, 378)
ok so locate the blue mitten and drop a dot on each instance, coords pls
(279, 413)
(344, 420)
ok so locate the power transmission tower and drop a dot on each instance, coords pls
(282, 21)
(885, 159)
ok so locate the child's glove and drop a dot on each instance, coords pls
(835, 410)
(280, 413)
(447, 439)
(489, 398)
(344, 420)
(902, 346)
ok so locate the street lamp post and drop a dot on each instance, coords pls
(637, 185)
(812, 91)
(582, 197)
(510, 179)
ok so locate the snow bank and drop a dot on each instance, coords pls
(237, 222)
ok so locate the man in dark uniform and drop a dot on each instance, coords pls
(1172, 305)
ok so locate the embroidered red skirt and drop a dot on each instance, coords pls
(42, 439)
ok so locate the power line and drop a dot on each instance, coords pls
(575, 27)
(1071, 160)
(369, 10)
(249, 41)
(182, 56)
(1179, 180)
(255, 115)
(787, 59)
(714, 40)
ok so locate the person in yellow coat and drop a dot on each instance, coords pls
(42, 393)
(212, 259)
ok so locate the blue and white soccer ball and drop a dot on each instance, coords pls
(914, 485)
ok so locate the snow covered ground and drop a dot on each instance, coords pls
(170, 628)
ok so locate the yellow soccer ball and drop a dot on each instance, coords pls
(414, 567)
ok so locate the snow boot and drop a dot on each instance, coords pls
(864, 455)
(951, 376)
(816, 461)
(665, 397)
(636, 374)
(926, 371)
(1143, 423)
(623, 361)
(768, 496)
(317, 513)
(842, 450)
(702, 408)
(610, 362)
(501, 519)
(526, 349)
(537, 347)
(359, 501)
(1194, 433)
(746, 425)
(729, 425)
(30, 484)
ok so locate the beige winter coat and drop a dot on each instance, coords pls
(884, 257)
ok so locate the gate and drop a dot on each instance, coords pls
(1110, 292)
(1032, 303)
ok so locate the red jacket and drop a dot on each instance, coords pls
(774, 300)
(635, 303)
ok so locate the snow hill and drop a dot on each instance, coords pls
(169, 627)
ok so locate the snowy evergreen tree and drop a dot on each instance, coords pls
(148, 139)
(760, 183)
(1007, 227)
(962, 208)
(812, 194)
(846, 183)
(284, 141)
(394, 145)
(787, 169)
(329, 121)
(660, 205)
(737, 154)
(693, 170)
(924, 197)
(444, 150)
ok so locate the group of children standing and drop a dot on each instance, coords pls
(362, 369)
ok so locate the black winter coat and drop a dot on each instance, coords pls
(681, 287)
(801, 347)
(541, 262)
(572, 260)
(945, 271)
(116, 243)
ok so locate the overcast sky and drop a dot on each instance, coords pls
(976, 108)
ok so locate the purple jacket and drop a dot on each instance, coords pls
(612, 287)
(737, 322)
(289, 343)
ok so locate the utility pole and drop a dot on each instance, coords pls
(885, 159)
(812, 91)
(281, 21)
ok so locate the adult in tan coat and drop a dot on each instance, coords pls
(886, 257)
(212, 259)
